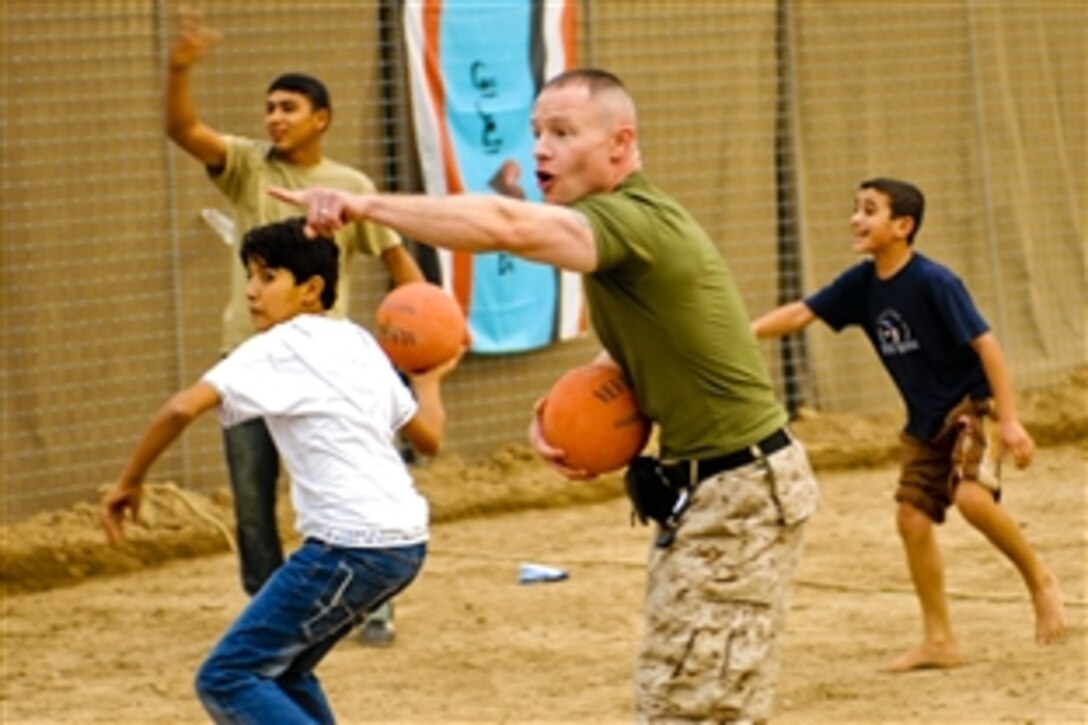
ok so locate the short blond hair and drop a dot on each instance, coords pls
(603, 85)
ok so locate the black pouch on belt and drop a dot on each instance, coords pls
(654, 494)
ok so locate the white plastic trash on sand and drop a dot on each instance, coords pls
(530, 573)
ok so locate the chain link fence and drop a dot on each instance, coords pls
(761, 116)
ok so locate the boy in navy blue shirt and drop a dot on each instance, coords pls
(952, 375)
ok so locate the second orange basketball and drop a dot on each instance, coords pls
(419, 326)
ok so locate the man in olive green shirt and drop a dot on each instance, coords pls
(667, 312)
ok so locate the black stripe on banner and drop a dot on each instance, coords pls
(537, 48)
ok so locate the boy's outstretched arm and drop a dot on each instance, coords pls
(1014, 437)
(427, 428)
(164, 429)
(783, 320)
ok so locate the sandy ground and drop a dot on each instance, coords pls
(115, 635)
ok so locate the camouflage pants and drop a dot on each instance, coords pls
(716, 599)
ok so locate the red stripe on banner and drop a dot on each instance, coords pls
(570, 47)
(432, 33)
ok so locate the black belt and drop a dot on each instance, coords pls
(708, 467)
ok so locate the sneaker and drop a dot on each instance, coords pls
(378, 630)
(377, 634)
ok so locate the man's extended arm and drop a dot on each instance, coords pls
(539, 232)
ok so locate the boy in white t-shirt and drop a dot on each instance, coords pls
(333, 404)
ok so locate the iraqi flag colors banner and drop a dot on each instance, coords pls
(475, 69)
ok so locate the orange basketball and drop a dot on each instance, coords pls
(419, 326)
(592, 414)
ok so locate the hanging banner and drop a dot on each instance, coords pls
(475, 69)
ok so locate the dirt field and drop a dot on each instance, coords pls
(114, 635)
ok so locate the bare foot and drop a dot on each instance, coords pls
(1049, 612)
(926, 656)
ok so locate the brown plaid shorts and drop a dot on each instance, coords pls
(930, 470)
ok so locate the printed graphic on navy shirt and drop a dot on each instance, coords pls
(893, 334)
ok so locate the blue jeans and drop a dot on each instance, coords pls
(254, 466)
(261, 671)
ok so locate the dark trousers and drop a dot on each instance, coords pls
(254, 466)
